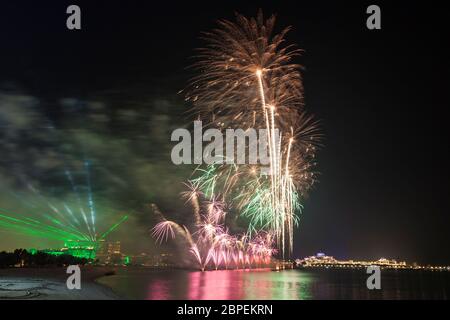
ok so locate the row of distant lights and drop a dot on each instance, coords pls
(355, 266)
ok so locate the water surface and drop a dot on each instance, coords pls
(141, 283)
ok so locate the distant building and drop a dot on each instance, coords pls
(163, 260)
(322, 260)
(105, 252)
(109, 252)
(79, 249)
(141, 259)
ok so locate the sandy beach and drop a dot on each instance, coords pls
(50, 284)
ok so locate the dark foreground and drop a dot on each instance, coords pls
(50, 284)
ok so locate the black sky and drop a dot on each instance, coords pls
(382, 97)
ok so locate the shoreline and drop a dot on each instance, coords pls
(50, 284)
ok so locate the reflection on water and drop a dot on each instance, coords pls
(241, 284)
(139, 283)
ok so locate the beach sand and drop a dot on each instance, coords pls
(50, 284)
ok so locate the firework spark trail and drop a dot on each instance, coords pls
(215, 210)
(196, 253)
(188, 236)
(211, 245)
(192, 196)
(282, 216)
(162, 231)
(247, 78)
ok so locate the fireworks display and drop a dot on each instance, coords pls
(208, 241)
(247, 79)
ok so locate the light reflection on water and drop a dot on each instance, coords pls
(241, 284)
(140, 283)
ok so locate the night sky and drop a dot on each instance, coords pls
(108, 93)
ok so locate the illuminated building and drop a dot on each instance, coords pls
(162, 260)
(109, 252)
(322, 260)
(94, 248)
(103, 251)
(79, 249)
